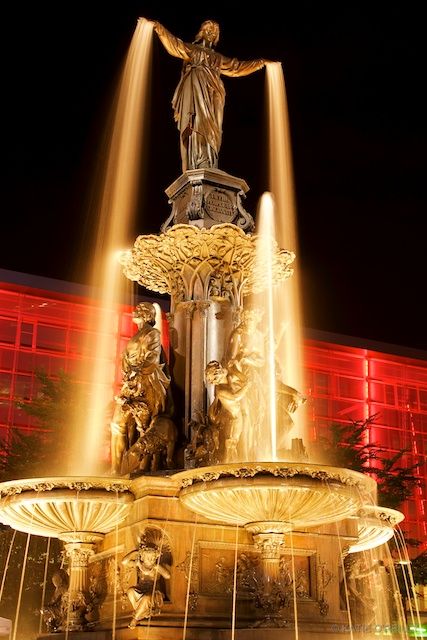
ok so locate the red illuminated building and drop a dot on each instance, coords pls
(43, 324)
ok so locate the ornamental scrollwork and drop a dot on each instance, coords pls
(17, 487)
(344, 477)
(209, 476)
(190, 568)
(173, 262)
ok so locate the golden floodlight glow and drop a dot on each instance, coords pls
(281, 186)
(116, 212)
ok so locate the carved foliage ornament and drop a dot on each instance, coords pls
(174, 261)
(236, 470)
(18, 486)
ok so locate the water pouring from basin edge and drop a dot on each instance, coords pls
(209, 267)
(117, 210)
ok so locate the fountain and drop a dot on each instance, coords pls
(78, 511)
(202, 531)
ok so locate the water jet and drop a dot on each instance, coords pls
(210, 530)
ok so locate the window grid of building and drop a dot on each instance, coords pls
(346, 384)
(47, 330)
(49, 333)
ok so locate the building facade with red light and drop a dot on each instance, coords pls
(43, 325)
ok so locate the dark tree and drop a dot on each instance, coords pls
(346, 445)
(26, 455)
(43, 451)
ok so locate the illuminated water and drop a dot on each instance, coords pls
(117, 210)
(281, 186)
(281, 344)
(267, 447)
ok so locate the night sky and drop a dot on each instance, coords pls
(355, 83)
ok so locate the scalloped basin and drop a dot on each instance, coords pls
(275, 495)
(69, 508)
(375, 527)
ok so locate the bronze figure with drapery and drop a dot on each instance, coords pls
(199, 98)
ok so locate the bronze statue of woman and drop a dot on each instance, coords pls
(198, 101)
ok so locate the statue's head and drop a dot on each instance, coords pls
(149, 553)
(209, 31)
(144, 312)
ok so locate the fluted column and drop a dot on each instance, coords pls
(79, 554)
(79, 549)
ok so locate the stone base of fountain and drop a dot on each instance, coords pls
(200, 554)
(198, 633)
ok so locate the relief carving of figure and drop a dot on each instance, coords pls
(145, 393)
(147, 596)
(198, 101)
(54, 614)
(356, 588)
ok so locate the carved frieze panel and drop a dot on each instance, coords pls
(217, 567)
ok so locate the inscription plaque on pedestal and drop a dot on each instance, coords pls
(205, 197)
(219, 207)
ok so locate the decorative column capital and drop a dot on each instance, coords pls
(189, 307)
(270, 545)
(79, 553)
(220, 260)
(202, 307)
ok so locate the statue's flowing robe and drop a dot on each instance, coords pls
(199, 98)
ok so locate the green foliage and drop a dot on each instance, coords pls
(345, 446)
(419, 568)
(25, 455)
(54, 401)
(396, 481)
(348, 446)
(28, 454)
